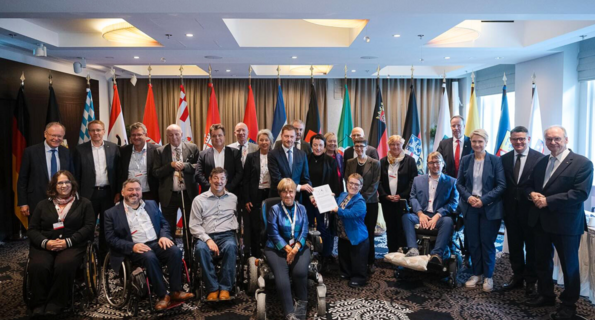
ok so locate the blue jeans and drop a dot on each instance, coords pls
(482, 234)
(228, 251)
(154, 259)
(444, 226)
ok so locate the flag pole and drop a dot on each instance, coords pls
(150, 69)
(249, 75)
(210, 75)
(504, 78)
(113, 71)
(23, 78)
(182, 74)
(278, 75)
(51, 78)
(312, 73)
(88, 80)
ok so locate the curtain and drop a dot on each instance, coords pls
(231, 98)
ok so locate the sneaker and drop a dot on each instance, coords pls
(436, 259)
(473, 281)
(488, 285)
(413, 252)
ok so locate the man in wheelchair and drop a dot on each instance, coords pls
(213, 222)
(136, 229)
(434, 197)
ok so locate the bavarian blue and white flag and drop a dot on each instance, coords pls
(88, 116)
(413, 147)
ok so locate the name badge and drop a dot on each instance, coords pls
(133, 232)
(291, 242)
(392, 175)
(58, 225)
(139, 174)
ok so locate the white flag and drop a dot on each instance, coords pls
(535, 127)
(443, 129)
(183, 117)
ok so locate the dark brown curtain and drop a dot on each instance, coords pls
(231, 97)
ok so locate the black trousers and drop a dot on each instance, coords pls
(153, 260)
(298, 271)
(370, 221)
(254, 226)
(395, 235)
(170, 213)
(567, 247)
(51, 275)
(352, 260)
(102, 200)
(521, 239)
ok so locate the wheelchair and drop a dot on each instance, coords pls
(260, 274)
(85, 287)
(125, 290)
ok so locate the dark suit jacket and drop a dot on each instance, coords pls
(233, 166)
(84, 167)
(251, 178)
(305, 146)
(493, 187)
(514, 198)
(279, 168)
(445, 149)
(163, 170)
(371, 178)
(566, 191)
(126, 155)
(407, 171)
(349, 154)
(445, 200)
(33, 176)
(330, 174)
(118, 234)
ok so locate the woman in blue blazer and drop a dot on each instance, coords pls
(481, 183)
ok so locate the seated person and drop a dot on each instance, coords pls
(214, 223)
(286, 253)
(136, 229)
(433, 198)
(58, 243)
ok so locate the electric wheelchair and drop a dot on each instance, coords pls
(260, 275)
(86, 283)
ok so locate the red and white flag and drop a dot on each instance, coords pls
(250, 116)
(150, 119)
(212, 117)
(183, 117)
(117, 128)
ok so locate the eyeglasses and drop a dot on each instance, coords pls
(433, 163)
(359, 147)
(518, 139)
(353, 184)
(556, 139)
(64, 183)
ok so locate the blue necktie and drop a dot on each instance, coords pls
(54, 163)
(290, 160)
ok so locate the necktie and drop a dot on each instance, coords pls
(549, 170)
(290, 160)
(457, 158)
(178, 154)
(242, 156)
(54, 163)
(517, 168)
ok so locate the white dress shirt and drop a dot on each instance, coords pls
(177, 186)
(48, 158)
(393, 177)
(523, 161)
(140, 224)
(212, 214)
(219, 157)
(137, 167)
(100, 163)
(264, 181)
(432, 185)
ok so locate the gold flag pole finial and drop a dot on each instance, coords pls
(88, 79)
(504, 78)
(249, 75)
(150, 69)
(182, 74)
(51, 78)
(412, 69)
(23, 78)
(312, 73)
(444, 77)
(210, 74)
(113, 71)
(472, 76)
(533, 78)
(345, 73)
(278, 75)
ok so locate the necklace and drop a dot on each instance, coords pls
(362, 164)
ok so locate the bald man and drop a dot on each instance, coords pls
(357, 133)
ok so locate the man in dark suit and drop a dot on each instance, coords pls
(40, 162)
(518, 165)
(455, 148)
(174, 166)
(135, 228)
(136, 161)
(299, 142)
(289, 162)
(558, 186)
(358, 133)
(96, 166)
(219, 156)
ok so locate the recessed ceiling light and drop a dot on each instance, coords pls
(353, 70)
(498, 58)
(367, 39)
(368, 57)
(227, 70)
(189, 35)
(136, 57)
(213, 57)
(294, 57)
(446, 58)
(396, 35)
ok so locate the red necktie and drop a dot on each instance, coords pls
(457, 158)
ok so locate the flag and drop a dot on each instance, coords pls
(150, 119)
(412, 133)
(313, 117)
(503, 144)
(473, 115)
(20, 136)
(345, 124)
(117, 128)
(378, 137)
(279, 118)
(53, 114)
(443, 128)
(535, 127)
(250, 116)
(183, 116)
(212, 117)
(88, 116)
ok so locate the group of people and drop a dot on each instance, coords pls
(539, 197)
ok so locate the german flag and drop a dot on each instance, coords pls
(20, 136)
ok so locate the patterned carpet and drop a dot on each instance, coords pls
(414, 296)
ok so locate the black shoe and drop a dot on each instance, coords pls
(541, 301)
(38, 311)
(563, 313)
(355, 284)
(52, 309)
(530, 289)
(435, 259)
(512, 284)
(371, 268)
(344, 277)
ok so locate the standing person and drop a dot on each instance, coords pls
(219, 156)
(242, 144)
(136, 161)
(559, 186)
(369, 169)
(397, 171)
(481, 184)
(40, 163)
(96, 166)
(518, 166)
(299, 143)
(358, 133)
(455, 148)
(331, 150)
(257, 185)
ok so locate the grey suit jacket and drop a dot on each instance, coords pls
(371, 178)
(163, 170)
(251, 148)
(84, 167)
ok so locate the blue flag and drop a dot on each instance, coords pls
(503, 137)
(88, 116)
(279, 118)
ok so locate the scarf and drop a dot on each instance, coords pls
(392, 159)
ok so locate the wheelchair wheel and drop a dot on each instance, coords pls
(252, 276)
(452, 272)
(91, 272)
(117, 286)
(261, 306)
(27, 295)
(321, 301)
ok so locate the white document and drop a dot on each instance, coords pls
(325, 200)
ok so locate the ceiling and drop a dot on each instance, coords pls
(72, 29)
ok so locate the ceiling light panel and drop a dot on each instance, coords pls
(291, 70)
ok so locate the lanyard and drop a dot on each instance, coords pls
(290, 220)
(60, 216)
